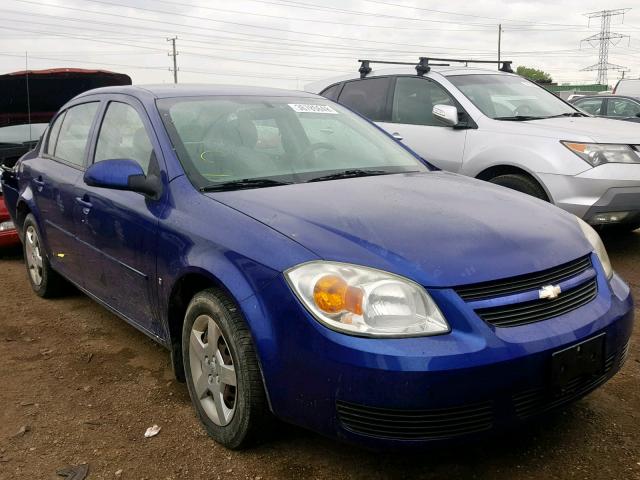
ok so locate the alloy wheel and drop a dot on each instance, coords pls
(33, 255)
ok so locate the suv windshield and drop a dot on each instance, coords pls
(509, 97)
(228, 143)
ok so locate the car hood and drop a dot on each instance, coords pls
(437, 228)
(581, 129)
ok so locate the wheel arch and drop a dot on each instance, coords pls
(506, 169)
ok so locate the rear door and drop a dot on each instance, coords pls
(54, 177)
(119, 227)
(412, 121)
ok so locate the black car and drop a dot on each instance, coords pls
(617, 107)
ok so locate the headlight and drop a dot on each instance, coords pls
(364, 301)
(597, 154)
(598, 246)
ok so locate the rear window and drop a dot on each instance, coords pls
(367, 97)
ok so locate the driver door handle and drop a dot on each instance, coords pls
(397, 136)
(85, 203)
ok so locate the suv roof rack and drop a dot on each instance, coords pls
(423, 66)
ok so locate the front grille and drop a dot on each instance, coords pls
(523, 283)
(416, 424)
(539, 400)
(517, 314)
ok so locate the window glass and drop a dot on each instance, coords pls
(509, 97)
(413, 101)
(591, 105)
(19, 134)
(123, 136)
(621, 107)
(367, 97)
(292, 140)
(332, 92)
(74, 133)
(53, 134)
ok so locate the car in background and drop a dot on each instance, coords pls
(296, 260)
(627, 86)
(29, 99)
(616, 107)
(505, 129)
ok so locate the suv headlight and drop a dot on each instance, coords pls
(600, 153)
(365, 301)
(598, 246)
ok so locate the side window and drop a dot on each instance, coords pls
(621, 107)
(367, 97)
(591, 105)
(332, 92)
(413, 101)
(74, 133)
(54, 131)
(123, 136)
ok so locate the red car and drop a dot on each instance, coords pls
(8, 233)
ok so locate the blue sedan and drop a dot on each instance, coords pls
(298, 262)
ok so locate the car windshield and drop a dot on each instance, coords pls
(251, 142)
(509, 97)
(19, 134)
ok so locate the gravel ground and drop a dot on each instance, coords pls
(78, 385)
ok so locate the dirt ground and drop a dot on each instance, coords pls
(85, 386)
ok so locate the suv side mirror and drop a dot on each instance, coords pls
(447, 114)
(122, 174)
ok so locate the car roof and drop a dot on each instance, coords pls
(195, 90)
(447, 71)
(628, 97)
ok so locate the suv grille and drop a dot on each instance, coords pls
(538, 310)
(523, 283)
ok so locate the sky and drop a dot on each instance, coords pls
(289, 43)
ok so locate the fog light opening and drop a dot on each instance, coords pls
(609, 217)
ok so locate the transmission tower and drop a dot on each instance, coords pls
(603, 40)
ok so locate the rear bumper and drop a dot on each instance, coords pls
(412, 392)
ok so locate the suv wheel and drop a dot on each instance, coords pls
(521, 183)
(45, 281)
(222, 371)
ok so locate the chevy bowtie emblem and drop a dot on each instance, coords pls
(550, 292)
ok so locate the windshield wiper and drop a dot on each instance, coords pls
(568, 114)
(350, 174)
(243, 184)
(520, 118)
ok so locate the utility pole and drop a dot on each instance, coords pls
(499, 42)
(603, 40)
(174, 54)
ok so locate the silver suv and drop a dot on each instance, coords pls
(500, 127)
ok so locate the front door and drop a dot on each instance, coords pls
(119, 227)
(413, 122)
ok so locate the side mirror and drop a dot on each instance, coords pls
(447, 114)
(120, 174)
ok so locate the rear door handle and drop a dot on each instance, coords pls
(39, 183)
(397, 136)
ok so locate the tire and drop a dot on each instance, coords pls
(520, 183)
(45, 281)
(231, 415)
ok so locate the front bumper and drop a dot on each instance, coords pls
(475, 380)
(609, 188)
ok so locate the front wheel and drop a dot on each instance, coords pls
(222, 371)
(520, 183)
(44, 280)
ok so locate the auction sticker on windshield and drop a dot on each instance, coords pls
(311, 108)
